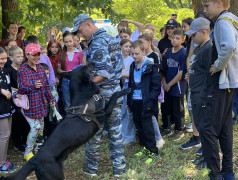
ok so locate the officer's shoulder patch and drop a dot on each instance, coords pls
(114, 47)
(98, 55)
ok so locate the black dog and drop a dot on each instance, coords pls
(71, 133)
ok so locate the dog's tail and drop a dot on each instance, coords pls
(22, 173)
(113, 100)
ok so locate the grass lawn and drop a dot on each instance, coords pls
(175, 165)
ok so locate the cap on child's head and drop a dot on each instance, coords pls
(172, 23)
(198, 25)
(32, 49)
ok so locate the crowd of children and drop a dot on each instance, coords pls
(197, 58)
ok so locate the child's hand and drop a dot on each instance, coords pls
(18, 95)
(167, 87)
(127, 107)
(212, 70)
(125, 20)
(6, 93)
(186, 77)
(56, 82)
(38, 84)
(164, 52)
(52, 103)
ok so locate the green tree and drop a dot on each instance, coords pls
(156, 12)
(43, 14)
(178, 4)
(9, 7)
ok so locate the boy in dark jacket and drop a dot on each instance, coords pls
(144, 81)
(198, 72)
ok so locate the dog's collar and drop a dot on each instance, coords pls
(92, 109)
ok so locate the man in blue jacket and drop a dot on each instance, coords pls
(105, 52)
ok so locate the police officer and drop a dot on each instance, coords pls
(105, 52)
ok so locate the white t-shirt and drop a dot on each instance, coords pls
(71, 56)
(126, 70)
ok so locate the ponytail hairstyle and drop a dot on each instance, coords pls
(64, 51)
(147, 37)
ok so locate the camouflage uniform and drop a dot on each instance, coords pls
(105, 52)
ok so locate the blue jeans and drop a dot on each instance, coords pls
(128, 126)
(65, 92)
(235, 106)
(156, 128)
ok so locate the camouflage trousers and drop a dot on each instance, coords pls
(115, 144)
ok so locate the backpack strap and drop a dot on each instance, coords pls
(229, 19)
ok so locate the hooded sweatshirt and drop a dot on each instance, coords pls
(226, 40)
(137, 94)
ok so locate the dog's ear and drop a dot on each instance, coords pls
(91, 66)
(66, 75)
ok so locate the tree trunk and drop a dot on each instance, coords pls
(189, 4)
(180, 1)
(6, 6)
(197, 4)
(234, 7)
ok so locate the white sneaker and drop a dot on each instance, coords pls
(171, 133)
(90, 174)
(37, 147)
(160, 143)
(189, 128)
(117, 175)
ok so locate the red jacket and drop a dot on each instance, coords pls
(19, 43)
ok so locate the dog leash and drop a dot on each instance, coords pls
(82, 110)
